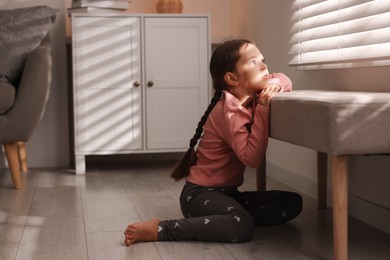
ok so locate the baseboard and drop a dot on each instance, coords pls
(359, 208)
(369, 213)
(289, 178)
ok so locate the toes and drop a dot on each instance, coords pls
(130, 230)
(129, 242)
(129, 237)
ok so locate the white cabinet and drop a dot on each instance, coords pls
(140, 82)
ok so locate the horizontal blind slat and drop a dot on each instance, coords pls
(308, 20)
(364, 10)
(324, 7)
(305, 3)
(346, 65)
(358, 53)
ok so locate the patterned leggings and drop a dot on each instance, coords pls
(227, 215)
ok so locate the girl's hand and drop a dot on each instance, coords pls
(264, 97)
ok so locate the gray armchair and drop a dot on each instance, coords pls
(19, 121)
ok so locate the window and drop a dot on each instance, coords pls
(340, 33)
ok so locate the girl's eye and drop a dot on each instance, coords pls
(254, 62)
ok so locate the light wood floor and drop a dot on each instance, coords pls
(59, 215)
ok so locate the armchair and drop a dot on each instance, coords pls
(18, 122)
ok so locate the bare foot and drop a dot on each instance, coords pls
(141, 231)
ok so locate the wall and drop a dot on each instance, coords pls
(267, 23)
(219, 10)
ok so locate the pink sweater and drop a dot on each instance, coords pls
(227, 146)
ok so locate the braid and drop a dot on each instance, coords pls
(199, 129)
(223, 60)
(183, 167)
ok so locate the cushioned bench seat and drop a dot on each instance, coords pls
(335, 124)
(340, 123)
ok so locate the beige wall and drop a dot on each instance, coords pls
(219, 10)
(267, 23)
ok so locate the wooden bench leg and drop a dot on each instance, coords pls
(261, 182)
(322, 179)
(340, 206)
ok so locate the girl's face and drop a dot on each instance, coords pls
(251, 70)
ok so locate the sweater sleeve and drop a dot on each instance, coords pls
(282, 80)
(248, 140)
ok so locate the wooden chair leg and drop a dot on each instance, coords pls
(261, 174)
(340, 206)
(22, 156)
(322, 179)
(11, 153)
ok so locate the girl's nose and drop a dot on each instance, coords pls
(263, 66)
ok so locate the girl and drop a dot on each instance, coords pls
(235, 135)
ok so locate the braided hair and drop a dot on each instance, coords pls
(223, 60)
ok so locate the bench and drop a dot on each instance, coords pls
(336, 124)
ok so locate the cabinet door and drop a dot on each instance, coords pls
(176, 62)
(107, 98)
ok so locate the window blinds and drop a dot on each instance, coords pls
(340, 33)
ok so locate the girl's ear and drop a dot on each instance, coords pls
(231, 79)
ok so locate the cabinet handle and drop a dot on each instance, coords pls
(137, 84)
(150, 84)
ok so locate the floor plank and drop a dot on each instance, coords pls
(54, 230)
(163, 207)
(109, 245)
(106, 205)
(14, 209)
(193, 251)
